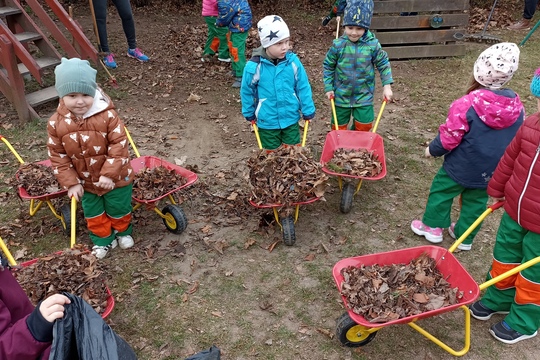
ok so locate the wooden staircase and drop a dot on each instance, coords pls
(25, 50)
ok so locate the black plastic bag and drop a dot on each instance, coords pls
(211, 354)
(83, 335)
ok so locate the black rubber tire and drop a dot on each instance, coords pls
(347, 195)
(65, 212)
(289, 236)
(350, 334)
(175, 219)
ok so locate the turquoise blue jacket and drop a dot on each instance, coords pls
(349, 70)
(275, 94)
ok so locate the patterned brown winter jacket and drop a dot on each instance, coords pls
(81, 150)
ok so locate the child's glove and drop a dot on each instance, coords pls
(427, 153)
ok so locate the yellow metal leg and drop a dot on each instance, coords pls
(296, 212)
(358, 187)
(276, 216)
(443, 345)
(34, 208)
(171, 199)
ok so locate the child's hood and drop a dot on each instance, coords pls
(498, 109)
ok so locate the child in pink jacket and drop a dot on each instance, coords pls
(217, 36)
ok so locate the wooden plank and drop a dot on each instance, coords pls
(397, 6)
(42, 96)
(27, 36)
(43, 63)
(6, 11)
(417, 37)
(415, 22)
(424, 51)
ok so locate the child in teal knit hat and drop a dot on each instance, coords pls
(88, 149)
(516, 181)
(349, 68)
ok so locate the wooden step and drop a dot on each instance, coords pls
(43, 63)
(6, 11)
(27, 36)
(42, 96)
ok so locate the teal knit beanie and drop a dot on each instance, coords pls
(535, 83)
(75, 76)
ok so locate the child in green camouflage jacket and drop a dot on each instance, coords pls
(349, 68)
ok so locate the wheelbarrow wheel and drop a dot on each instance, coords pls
(347, 195)
(175, 219)
(351, 334)
(65, 213)
(289, 236)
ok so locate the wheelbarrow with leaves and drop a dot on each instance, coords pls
(286, 215)
(172, 214)
(41, 269)
(368, 143)
(355, 330)
(66, 213)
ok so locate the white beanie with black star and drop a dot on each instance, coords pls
(272, 29)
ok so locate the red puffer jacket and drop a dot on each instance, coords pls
(81, 150)
(517, 176)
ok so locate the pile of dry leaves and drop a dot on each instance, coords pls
(36, 179)
(361, 162)
(385, 293)
(285, 176)
(152, 183)
(75, 271)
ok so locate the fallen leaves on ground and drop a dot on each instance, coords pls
(36, 179)
(153, 183)
(75, 271)
(390, 292)
(361, 162)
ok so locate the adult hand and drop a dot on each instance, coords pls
(76, 191)
(387, 93)
(105, 183)
(330, 95)
(52, 308)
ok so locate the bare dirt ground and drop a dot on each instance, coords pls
(228, 279)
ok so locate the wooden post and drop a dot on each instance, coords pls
(16, 83)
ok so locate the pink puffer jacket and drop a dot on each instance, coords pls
(209, 8)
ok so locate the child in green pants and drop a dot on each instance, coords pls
(477, 130)
(275, 87)
(516, 180)
(349, 68)
(216, 41)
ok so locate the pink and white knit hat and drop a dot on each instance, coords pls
(496, 65)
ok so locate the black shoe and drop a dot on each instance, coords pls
(326, 20)
(502, 332)
(481, 312)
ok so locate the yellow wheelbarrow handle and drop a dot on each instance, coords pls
(383, 105)
(132, 142)
(6, 252)
(256, 130)
(336, 127)
(12, 149)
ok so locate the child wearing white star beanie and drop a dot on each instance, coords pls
(275, 89)
(89, 154)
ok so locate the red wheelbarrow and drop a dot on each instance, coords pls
(354, 330)
(286, 223)
(173, 215)
(356, 140)
(66, 214)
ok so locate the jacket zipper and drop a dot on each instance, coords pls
(526, 184)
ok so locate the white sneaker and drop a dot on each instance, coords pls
(101, 251)
(125, 241)
(225, 60)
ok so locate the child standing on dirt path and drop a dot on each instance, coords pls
(349, 68)
(236, 14)
(275, 87)
(217, 36)
(89, 154)
(516, 181)
(479, 127)
(128, 25)
(337, 10)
